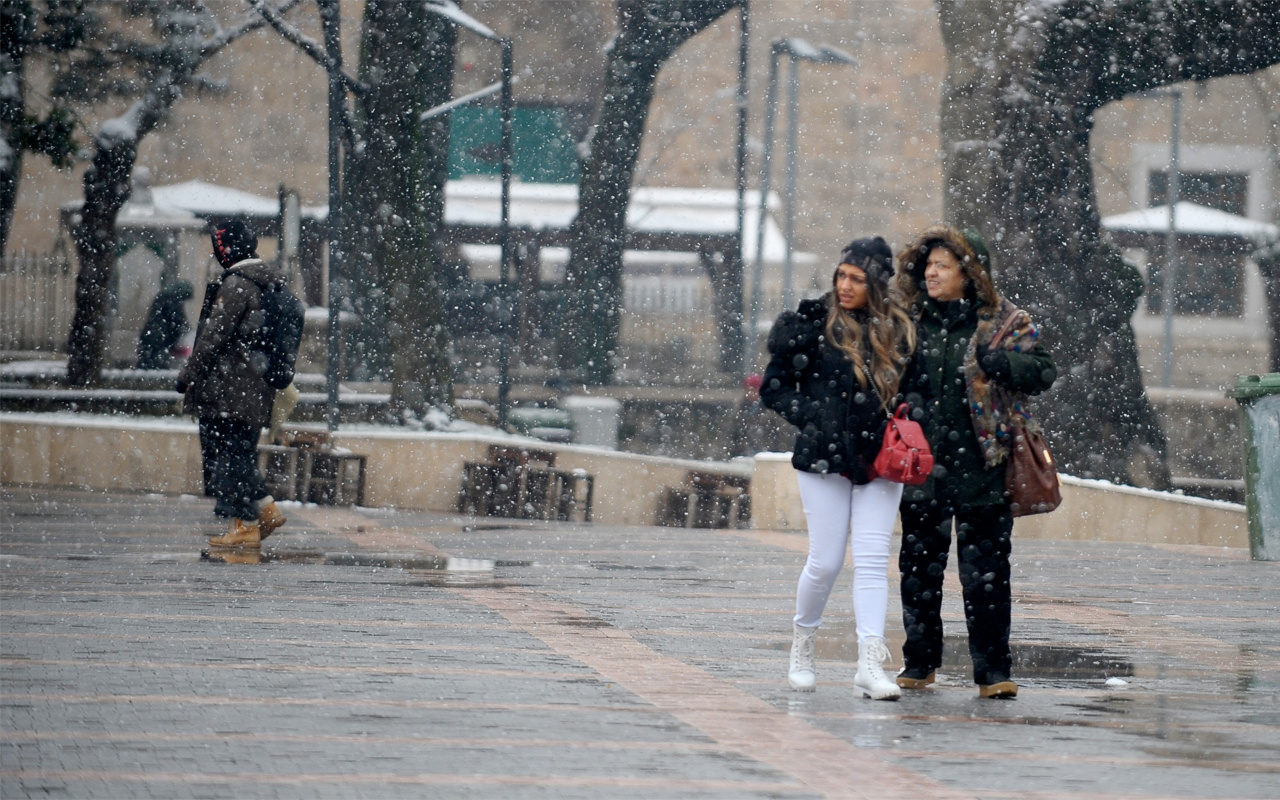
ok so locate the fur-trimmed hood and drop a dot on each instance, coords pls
(909, 282)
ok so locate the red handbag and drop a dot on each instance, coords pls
(905, 456)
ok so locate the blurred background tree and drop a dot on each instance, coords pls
(148, 53)
(48, 31)
(1023, 83)
(649, 32)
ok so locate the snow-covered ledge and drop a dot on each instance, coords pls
(423, 470)
(1090, 511)
(405, 469)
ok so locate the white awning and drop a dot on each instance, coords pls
(1194, 220)
(209, 200)
(542, 206)
(537, 206)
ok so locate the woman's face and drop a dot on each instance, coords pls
(851, 287)
(943, 279)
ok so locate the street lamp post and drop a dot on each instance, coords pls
(746, 356)
(504, 276)
(330, 18)
(450, 10)
(1168, 275)
(1169, 284)
(796, 50)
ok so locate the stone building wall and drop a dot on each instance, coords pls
(868, 135)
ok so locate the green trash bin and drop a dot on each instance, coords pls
(1259, 399)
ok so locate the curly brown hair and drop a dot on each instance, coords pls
(912, 259)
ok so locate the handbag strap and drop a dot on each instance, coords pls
(1006, 327)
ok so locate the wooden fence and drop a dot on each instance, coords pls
(37, 301)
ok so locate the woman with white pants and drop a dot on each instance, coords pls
(838, 368)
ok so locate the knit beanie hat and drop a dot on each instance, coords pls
(979, 246)
(872, 255)
(232, 242)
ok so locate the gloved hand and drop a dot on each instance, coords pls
(995, 363)
(181, 387)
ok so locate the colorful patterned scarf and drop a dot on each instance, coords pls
(997, 411)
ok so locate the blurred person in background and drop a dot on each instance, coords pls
(225, 390)
(165, 326)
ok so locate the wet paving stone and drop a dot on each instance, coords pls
(386, 653)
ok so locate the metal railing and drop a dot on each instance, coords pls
(37, 301)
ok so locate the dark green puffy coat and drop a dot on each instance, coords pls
(961, 477)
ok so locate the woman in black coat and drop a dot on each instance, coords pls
(839, 367)
(977, 386)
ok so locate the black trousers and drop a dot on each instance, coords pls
(983, 543)
(229, 457)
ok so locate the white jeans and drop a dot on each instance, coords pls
(835, 508)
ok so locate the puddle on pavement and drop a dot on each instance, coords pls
(430, 570)
(838, 641)
(609, 566)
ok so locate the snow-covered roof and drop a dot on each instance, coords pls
(134, 214)
(191, 202)
(1192, 219)
(549, 206)
(210, 200)
(476, 201)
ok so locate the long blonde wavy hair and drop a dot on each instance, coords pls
(885, 332)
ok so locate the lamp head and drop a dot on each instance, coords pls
(802, 50)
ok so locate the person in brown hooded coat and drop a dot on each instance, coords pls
(944, 281)
(225, 390)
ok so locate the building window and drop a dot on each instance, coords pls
(1209, 282)
(1210, 278)
(1225, 191)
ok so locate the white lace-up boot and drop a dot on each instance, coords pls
(872, 653)
(801, 675)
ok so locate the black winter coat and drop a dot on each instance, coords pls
(810, 382)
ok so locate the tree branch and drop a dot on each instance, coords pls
(310, 46)
(1154, 44)
(251, 21)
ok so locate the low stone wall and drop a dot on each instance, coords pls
(154, 454)
(1090, 510)
(404, 469)
(424, 471)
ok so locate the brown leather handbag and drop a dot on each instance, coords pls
(1030, 479)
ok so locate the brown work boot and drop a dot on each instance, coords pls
(270, 517)
(915, 678)
(242, 534)
(1000, 688)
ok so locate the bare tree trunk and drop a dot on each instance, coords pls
(17, 19)
(11, 114)
(106, 189)
(20, 38)
(1024, 80)
(649, 32)
(106, 182)
(393, 202)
